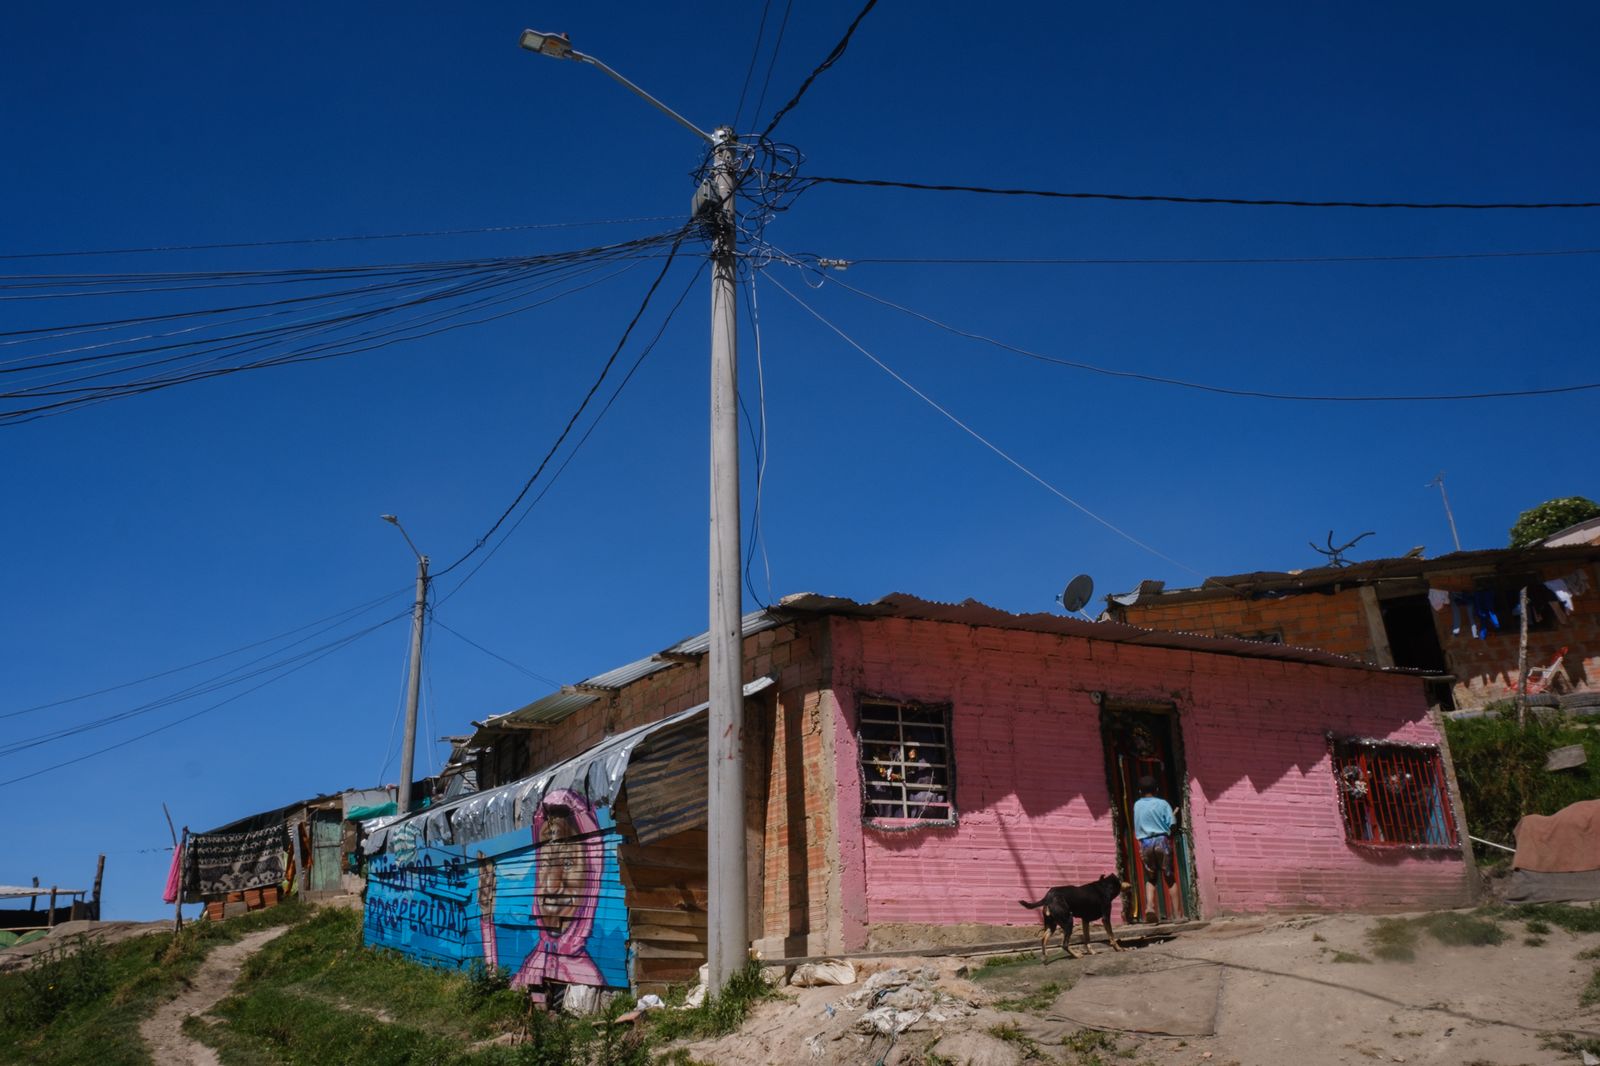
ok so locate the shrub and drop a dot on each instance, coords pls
(1549, 517)
(1501, 770)
(67, 976)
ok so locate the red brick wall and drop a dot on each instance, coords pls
(1486, 669)
(799, 824)
(1334, 622)
(1031, 787)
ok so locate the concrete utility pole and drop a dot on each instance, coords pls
(727, 928)
(727, 937)
(408, 746)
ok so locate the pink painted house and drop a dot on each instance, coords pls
(916, 768)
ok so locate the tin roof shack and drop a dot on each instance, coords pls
(259, 860)
(913, 769)
(79, 904)
(1454, 615)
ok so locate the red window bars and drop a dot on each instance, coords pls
(906, 768)
(1393, 795)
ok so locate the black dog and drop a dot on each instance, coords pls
(1063, 904)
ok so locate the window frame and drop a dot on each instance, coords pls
(869, 818)
(1388, 819)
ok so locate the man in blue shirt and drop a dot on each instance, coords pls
(1152, 826)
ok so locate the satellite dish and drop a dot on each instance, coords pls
(1077, 593)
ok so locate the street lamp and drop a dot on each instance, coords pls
(727, 932)
(408, 746)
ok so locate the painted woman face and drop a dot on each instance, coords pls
(559, 879)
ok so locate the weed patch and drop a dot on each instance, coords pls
(719, 1014)
(1350, 956)
(1395, 939)
(1033, 1002)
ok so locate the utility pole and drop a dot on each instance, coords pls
(727, 937)
(727, 929)
(408, 746)
(1438, 479)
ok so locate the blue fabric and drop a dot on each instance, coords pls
(1152, 817)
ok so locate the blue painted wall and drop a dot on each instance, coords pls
(556, 910)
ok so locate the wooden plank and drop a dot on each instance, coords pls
(662, 951)
(1566, 758)
(645, 877)
(674, 858)
(666, 934)
(679, 919)
(690, 899)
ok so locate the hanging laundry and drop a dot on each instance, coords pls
(1483, 606)
(1559, 589)
(1545, 604)
(174, 876)
(1438, 599)
(1578, 582)
(1461, 603)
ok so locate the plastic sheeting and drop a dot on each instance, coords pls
(596, 774)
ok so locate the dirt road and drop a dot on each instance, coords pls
(163, 1031)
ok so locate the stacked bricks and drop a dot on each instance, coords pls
(1333, 622)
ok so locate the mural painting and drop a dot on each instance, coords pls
(545, 904)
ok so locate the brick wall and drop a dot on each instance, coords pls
(1031, 786)
(1334, 622)
(795, 884)
(1486, 669)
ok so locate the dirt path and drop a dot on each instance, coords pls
(163, 1031)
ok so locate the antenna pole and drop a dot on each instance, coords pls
(1439, 480)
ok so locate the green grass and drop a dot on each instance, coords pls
(1350, 956)
(718, 1015)
(129, 979)
(1089, 1047)
(1033, 1002)
(1502, 774)
(1591, 991)
(1396, 939)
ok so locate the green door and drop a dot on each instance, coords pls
(325, 842)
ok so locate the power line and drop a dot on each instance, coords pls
(832, 58)
(1209, 260)
(205, 710)
(514, 228)
(335, 618)
(626, 333)
(1053, 194)
(755, 54)
(221, 681)
(598, 418)
(1256, 394)
(535, 675)
(772, 63)
(980, 438)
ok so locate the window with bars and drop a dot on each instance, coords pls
(1392, 795)
(907, 768)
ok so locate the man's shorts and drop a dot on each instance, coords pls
(1155, 850)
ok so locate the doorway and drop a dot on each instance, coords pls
(1414, 642)
(325, 851)
(1144, 740)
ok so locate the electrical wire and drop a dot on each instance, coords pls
(534, 674)
(760, 447)
(593, 425)
(1221, 390)
(514, 228)
(408, 315)
(830, 60)
(338, 616)
(755, 54)
(772, 63)
(879, 183)
(215, 684)
(604, 370)
(205, 710)
(1216, 260)
(980, 438)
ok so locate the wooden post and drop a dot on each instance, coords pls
(1522, 663)
(33, 901)
(50, 915)
(177, 849)
(99, 876)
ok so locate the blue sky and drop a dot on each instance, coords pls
(155, 531)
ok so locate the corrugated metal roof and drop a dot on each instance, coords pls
(973, 613)
(1365, 572)
(568, 700)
